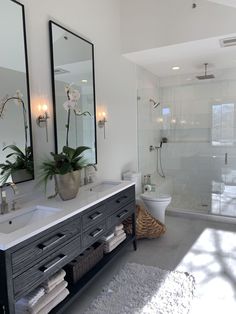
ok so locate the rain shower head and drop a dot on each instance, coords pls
(205, 76)
(154, 103)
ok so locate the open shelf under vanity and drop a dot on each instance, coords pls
(77, 288)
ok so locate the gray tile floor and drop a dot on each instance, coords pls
(205, 249)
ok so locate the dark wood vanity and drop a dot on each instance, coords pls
(26, 265)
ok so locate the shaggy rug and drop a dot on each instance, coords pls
(145, 289)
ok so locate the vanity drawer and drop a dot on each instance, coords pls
(93, 216)
(93, 234)
(44, 245)
(120, 215)
(120, 199)
(46, 267)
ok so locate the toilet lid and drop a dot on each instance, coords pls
(156, 196)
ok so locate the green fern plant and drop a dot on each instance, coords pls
(21, 161)
(69, 160)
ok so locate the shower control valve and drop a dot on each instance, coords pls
(152, 148)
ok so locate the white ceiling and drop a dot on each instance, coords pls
(231, 3)
(189, 56)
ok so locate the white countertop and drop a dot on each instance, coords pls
(67, 209)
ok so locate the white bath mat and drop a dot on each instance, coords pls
(140, 289)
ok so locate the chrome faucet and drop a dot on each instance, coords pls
(4, 207)
(88, 178)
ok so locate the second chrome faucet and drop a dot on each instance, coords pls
(4, 205)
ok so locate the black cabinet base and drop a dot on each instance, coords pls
(87, 279)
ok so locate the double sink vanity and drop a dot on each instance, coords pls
(43, 237)
(40, 239)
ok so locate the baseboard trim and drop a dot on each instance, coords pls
(197, 215)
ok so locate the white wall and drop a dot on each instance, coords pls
(147, 24)
(98, 21)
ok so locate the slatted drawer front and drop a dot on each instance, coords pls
(93, 216)
(93, 234)
(40, 272)
(22, 258)
(120, 215)
(120, 200)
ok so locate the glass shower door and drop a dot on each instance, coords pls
(199, 159)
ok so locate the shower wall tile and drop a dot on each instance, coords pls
(194, 165)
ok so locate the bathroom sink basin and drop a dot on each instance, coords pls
(103, 186)
(21, 220)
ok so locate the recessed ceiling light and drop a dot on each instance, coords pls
(175, 68)
(84, 81)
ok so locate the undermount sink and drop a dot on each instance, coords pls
(21, 220)
(103, 186)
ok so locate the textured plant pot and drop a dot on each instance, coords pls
(21, 175)
(67, 185)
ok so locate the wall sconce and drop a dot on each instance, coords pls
(102, 122)
(42, 119)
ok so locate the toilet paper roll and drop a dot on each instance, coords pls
(147, 188)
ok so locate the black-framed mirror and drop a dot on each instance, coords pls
(73, 86)
(16, 153)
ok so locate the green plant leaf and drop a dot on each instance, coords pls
(79, 150)
(68, 160)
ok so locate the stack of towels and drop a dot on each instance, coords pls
(114, 239)
(44, 298)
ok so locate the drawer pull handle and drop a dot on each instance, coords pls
(95, 233)
(53, 263)
(54, 240)
(119, 200)
(122, 214)
(95, 216)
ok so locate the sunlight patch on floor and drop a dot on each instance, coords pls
(212, 261)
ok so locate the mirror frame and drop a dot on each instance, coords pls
(51, 23)
(27, 84)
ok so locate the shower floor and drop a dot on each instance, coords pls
(223, 204)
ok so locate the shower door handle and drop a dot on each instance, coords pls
(226, 158)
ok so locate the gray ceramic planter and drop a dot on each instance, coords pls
(67, 185)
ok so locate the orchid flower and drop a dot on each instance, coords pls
(19, 96)
(18, 99)
(72, 103)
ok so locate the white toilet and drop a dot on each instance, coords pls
(156, 204)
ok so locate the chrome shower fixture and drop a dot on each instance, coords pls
(206, 76)
(154, 103)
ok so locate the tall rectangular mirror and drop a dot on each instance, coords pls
(73, 88)
(16, 155)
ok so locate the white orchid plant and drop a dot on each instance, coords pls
(18, 99)
(72, 104)
(23, 159)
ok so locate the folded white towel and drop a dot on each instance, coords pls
(114, 243)
(114, 240)
(111, 247)
(117, 233)
(29, 300)
(48, 297)
(54, 302)
(42, 302)
(119, 227)
(54, 280)
(108, 237)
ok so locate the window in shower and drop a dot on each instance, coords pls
(223, 124)
(166, 115)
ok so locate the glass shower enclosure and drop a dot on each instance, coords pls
(187, 143)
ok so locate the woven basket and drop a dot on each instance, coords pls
(83, 263)
(146, 225)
